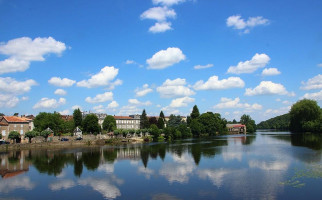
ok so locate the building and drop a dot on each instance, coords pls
(13, 123)
(127, 122)
(236, 128)
(100, 116)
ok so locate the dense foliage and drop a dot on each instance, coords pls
(249, 122)
(90, 124)
(306, 116)
(14, 135)
(161, 120)
(109, 123)
(78, 118)
(144, 121)
(31, 134)
(52, 120)
(174, 121)
(281, 122)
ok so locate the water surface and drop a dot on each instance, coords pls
(268, 165)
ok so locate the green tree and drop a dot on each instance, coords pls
(90, 124)
(45, 133)
(153, 120)
(185, 131)
(196, 128)
(1, 114)
(144, 121)
(303, 114)
(31, 134)
(195, 112)
(161, 120)
(52, 120)
(212, 123)
(109, 123)
(78, 118)
(155, 132)
(14, 135)
(67, 126)
(249, 122)
(174, 121)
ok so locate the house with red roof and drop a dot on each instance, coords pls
(236, 128)
(13, 123)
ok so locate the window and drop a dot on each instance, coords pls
(4, 133)
(21, 125)
(21, 132)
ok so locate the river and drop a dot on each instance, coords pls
(267, 165)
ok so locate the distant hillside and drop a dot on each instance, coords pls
(279, 122)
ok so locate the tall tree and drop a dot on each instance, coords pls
(109, 123)
(90, 124)
(144, 121)
(195, 112)
(249, 122)
(174, 121)
(161, 120)
(305, 115)
(78, 118)
(52, 120)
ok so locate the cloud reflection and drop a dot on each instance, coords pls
(268, 166)
(215, 176)
(18, 182)
(62, 184)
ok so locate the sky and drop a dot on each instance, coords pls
(119, 57)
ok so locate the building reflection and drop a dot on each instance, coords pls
(14, 163)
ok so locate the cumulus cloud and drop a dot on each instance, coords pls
(167, 2)
(112, 105)
(8, 101)
(239, 23)
(160, 27)
(59, 82)
(320, 65)
(12, 86)
(99, 109)
(22, 51)
(174, 88)
(313, 83)
(235, 103)
(140, 92)
(214, 83)
(64, 112)
(76, 107)
(102, 78)
(165, 58)
(60, 92)
(14, 183)
(49, 103)
(315, 96)
(181, 102)
(62, 184)
(139, 103)
(203, 66)
(268, 88)
(249, 66)
(158, 13)
(107, 96)
(104, 186)
(270, 72)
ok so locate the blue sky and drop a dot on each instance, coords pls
(120, 56)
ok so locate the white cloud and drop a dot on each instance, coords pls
(320, 65)
(237, 22)
(214, 83)
(160, 27)
(14, 183)
(174, 88)
(269, 166)
(167, 2)
(140, 92)
(315, 96)
(107, 96)
(102, 78)
(112, 85)
(275, 112)
(268, 88)
(76, 107)
(313, 83)
(112, 105)
(139, 103)
(158, 13)
(165, 58)
(235, 103)
(129, 110)
(203, 66)
(270, 72)
(103, 186)
(249, 66)
(59, 82)
(99, 109)
(8, 101)
(22, 51)
(64, 112)
(49, 103)
(60, 92)
(181, 102)
(129, 62)
(12, 86)
(215, 176)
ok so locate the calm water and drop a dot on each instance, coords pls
(268, 165)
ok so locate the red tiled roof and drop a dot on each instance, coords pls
(3, 124)
(12, 174)
(14, 119)
(122, 117)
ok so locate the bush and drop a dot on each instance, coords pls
(45, 133)
(31, 134)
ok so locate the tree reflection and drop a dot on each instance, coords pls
(312, 141)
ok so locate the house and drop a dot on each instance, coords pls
(236, 128)
(13, 123)
(127, 122)
(78, 133)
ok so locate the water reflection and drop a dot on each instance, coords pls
(230, 167)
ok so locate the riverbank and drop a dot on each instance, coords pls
(69, 144)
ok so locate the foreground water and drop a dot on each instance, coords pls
(268, 165)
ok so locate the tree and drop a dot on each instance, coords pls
(16, 114)
(153, 120)
(161, 120)
(90, 124)
(67, 126)
(196, 128)
(155, 132)
(249, 122)
(45, 133)
(31, 134)
(1, 114)
(14, 135)
(303, 115)
(144, 121)
(212, 123)
(174, 121)
(78, 118)
(52, 120)
(195, 112)
(109, 123)
(185, 131)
